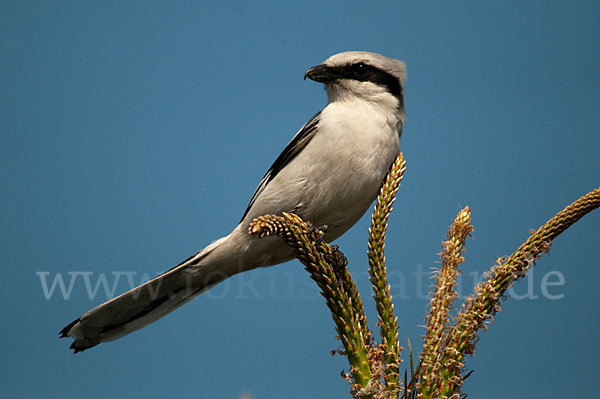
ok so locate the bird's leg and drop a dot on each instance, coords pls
(339, 260)
(318, 232)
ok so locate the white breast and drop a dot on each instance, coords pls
(338, 174)
(332, 181)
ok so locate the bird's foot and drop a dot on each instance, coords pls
(319, 232)
(339, 260)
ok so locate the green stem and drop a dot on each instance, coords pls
(480, 308)
(378, 274)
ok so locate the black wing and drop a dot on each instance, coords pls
(299, 141)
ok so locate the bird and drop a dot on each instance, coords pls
(329, 174)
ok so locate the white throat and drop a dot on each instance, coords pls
(378, 97)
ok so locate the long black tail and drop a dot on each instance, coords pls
(142, 305)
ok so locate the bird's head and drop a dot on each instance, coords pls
(364, 75)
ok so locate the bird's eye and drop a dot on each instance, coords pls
(359, 69)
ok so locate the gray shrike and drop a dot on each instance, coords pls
(329, 174)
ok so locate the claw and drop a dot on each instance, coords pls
(340, 261)
(319, 232)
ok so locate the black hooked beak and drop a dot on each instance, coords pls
(322, 73)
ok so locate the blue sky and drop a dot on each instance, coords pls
(134, 133)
